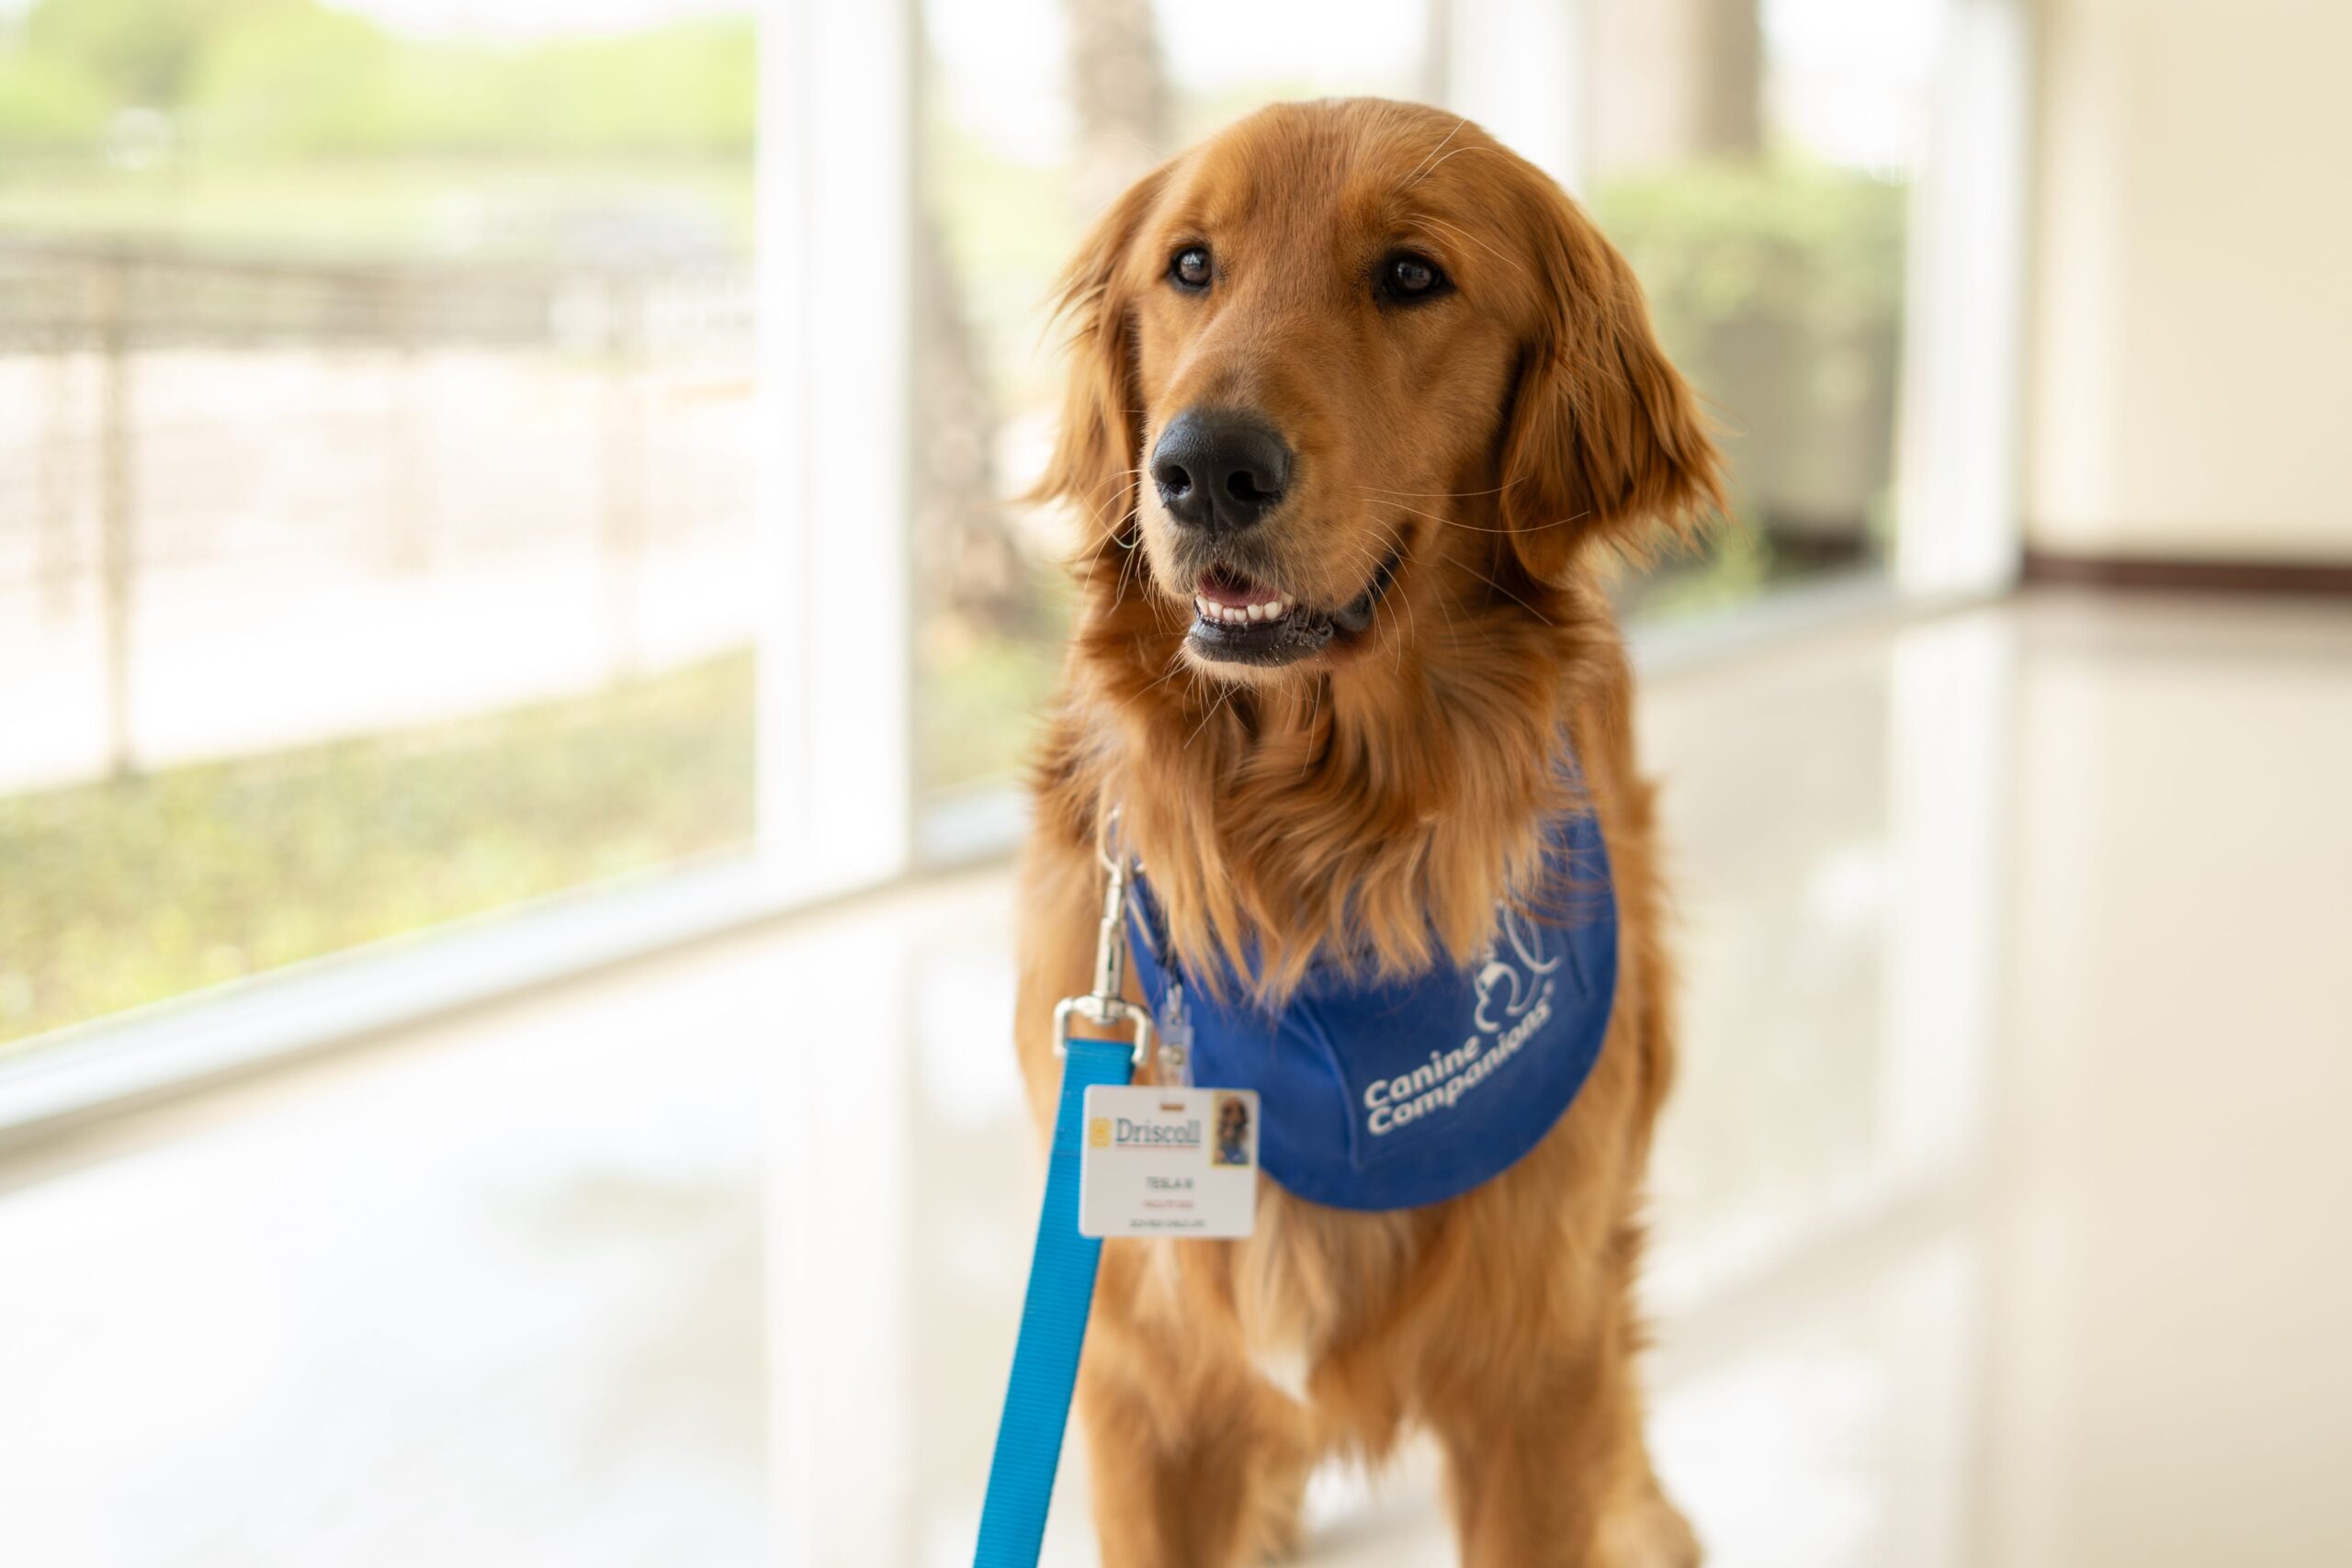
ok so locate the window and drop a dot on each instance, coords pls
(1754, 160)
(423, 497)
(376, 492)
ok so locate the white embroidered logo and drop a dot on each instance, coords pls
(1514, 990)
(1517, 981)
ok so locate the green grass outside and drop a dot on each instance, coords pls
(117, 894)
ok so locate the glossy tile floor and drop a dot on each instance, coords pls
(2000, 1216)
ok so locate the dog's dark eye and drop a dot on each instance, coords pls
(1190, 267)
(1407, 276)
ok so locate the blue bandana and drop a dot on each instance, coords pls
(1392, 1094)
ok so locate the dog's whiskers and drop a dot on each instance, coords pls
(1514, 598)
(1214, 707)
(1474, 527)
(1448, 158)
(1414, 177)
(1456, 228)
(1176, 666)
(1109, 535)
(1314, 706)
(1438, 494)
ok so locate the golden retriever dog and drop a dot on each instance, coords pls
(1360, 405)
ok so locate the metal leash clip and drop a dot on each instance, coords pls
(1107, 1004)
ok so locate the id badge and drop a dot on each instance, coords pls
(1168, 1161)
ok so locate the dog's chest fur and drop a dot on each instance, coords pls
(1304, 1282)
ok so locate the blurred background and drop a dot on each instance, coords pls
(518, 639)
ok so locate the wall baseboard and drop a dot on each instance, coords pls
(2303, 579)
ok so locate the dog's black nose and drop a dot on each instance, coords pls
(1219, 470)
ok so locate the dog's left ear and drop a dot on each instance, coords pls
(1604, 440)
(1097, 449)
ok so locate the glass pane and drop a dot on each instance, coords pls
(1754, 160)
(1036, 113)
(375, 474)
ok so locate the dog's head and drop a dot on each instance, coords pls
(1345, 343)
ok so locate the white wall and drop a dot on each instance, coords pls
(2189, 374)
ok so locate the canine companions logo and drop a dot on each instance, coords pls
(1514, 990)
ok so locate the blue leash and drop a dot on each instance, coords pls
(1053, 1328)
(1061, 1269)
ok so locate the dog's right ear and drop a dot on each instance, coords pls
(1605, 441)
(1099, 446)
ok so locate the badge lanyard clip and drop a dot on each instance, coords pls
(1107, 1004)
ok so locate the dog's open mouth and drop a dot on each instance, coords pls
(1239, 620)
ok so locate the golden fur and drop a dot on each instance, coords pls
(1374, 802)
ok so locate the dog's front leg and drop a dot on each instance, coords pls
(1197, 1462)
(1555, 1473)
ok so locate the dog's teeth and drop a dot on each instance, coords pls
(1256, 614)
